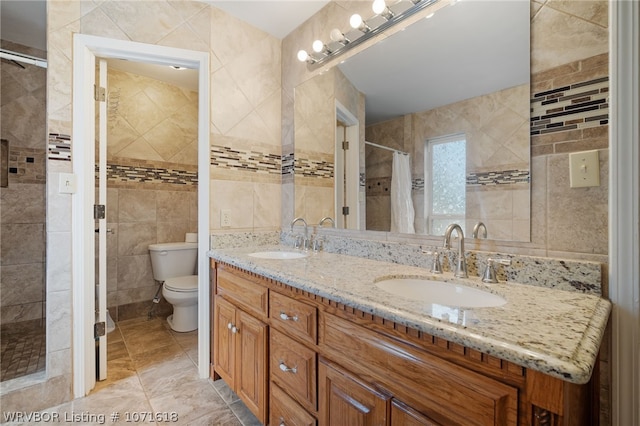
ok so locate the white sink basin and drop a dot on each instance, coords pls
(439, 292)
(284, 255)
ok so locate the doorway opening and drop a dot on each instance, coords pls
(86, 218)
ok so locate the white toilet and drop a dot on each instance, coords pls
(175, 265)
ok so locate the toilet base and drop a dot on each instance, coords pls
(185, 322)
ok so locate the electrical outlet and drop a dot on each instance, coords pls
(225, 218)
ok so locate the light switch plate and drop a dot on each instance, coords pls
(584, 169)
(67, 183)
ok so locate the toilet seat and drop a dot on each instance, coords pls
(184, 284)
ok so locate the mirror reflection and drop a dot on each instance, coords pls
(448, 98)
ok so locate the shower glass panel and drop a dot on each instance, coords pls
(22, 214)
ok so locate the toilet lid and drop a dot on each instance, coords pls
(183, 284)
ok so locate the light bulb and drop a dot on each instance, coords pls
(355, 21)
(337, 36)
(302, 55)
(379, 6)
(318, 46)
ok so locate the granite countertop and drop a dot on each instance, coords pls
(552, 331)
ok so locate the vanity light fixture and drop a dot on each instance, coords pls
(362, 30)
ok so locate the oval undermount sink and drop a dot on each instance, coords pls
(284, 255)
(440, 292)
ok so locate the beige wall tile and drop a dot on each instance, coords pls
(134, 238)
(137, 205)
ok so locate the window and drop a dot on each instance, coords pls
(445, 179)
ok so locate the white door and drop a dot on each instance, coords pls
(347, 170)
(101, 248)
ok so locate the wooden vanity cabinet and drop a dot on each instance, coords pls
(325, 363)
(240, 340)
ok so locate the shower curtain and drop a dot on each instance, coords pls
(402, 214)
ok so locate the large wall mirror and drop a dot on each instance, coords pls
(451, 95)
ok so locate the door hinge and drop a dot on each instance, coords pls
(345, 210)
(99, 93)
(345, 145)
(99, 329)
(99, 211)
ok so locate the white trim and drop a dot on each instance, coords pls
(350, 160)
(85, 47)
(624, 214)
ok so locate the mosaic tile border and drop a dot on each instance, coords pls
(59, 147)
(313, 168)
(288, 167)
(575, 106)
(124, 174)
(504, 177)
(228, 158)
(26, 165)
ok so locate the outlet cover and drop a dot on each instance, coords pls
(584, 169)
(225, 218)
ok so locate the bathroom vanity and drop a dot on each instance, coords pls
(313, 341)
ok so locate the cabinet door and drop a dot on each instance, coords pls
(403, 415)
(251, 363)
(223, 344)
(346, 400)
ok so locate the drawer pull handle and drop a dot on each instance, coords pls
(286, 369)
(285, 317)
(235, 329)
(229, 326)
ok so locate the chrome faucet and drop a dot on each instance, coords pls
(461, 262)
(476, 230)
(303, 244)
(327, 218)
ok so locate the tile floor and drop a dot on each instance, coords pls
(22, 350)
(153, 369)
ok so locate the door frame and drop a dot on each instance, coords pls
(85, 49)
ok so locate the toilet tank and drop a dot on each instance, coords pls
(169, 260)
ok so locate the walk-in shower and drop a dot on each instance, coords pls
(22, 210)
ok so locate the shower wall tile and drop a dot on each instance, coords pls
(59, 362)
(22, 312)
(22, 244)
(23, 203)
(21, 284)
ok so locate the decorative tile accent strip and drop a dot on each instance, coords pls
(287, 164)
(26, 165)
(59, 147)
(252, 161)
(505, 177)
(362, 180)
(123, 174)
(313, 168)
(575, 106)
(417, 184)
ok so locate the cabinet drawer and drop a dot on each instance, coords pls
(445, 392)
(294, 317)
(285, 411)
(293, 368)
(247, 294)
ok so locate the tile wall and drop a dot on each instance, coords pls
(22, 202)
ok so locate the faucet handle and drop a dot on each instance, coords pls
(317, 243)
(489, 275)
(436, 266)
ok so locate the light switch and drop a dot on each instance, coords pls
(584, 169)
(67, 183)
